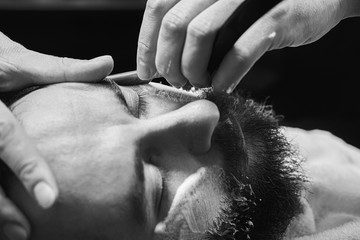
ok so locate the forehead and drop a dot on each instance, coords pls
(99, 98)
(70, 119)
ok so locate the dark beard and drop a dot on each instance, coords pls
(262, 178)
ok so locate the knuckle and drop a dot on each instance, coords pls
(241, 54)
(144, 51)
(174, 22)
(199, 29)
(26, 170)
(156, 6)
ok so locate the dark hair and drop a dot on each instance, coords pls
(262, 203)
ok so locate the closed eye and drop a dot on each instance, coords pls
(142, 103)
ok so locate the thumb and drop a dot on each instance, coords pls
(26, 67)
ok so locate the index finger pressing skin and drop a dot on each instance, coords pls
(19, 152)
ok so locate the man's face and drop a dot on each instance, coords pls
(121, 158)
(153, 162)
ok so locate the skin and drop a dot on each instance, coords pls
(177, 36)
(93, 141)
(19, 68)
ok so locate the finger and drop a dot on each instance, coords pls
(172, 38)
(55, 69)
(20, 154)
(258, 39)
(148, 37)
(28, 67)
(200, 39)
(14, 225)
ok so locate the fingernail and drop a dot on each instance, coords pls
(231, 88)
(15, 232)
(219, 87)
(102, 59)
(44, 194)
(146, 73)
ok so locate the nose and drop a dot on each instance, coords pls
(190, 126)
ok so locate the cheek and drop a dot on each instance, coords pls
(95, 179)
(99, 183)
(95, 167)
(101, 175)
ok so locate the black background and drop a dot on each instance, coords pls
(313, 86)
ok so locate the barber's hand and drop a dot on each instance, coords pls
(177, 36)
(19, 68)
